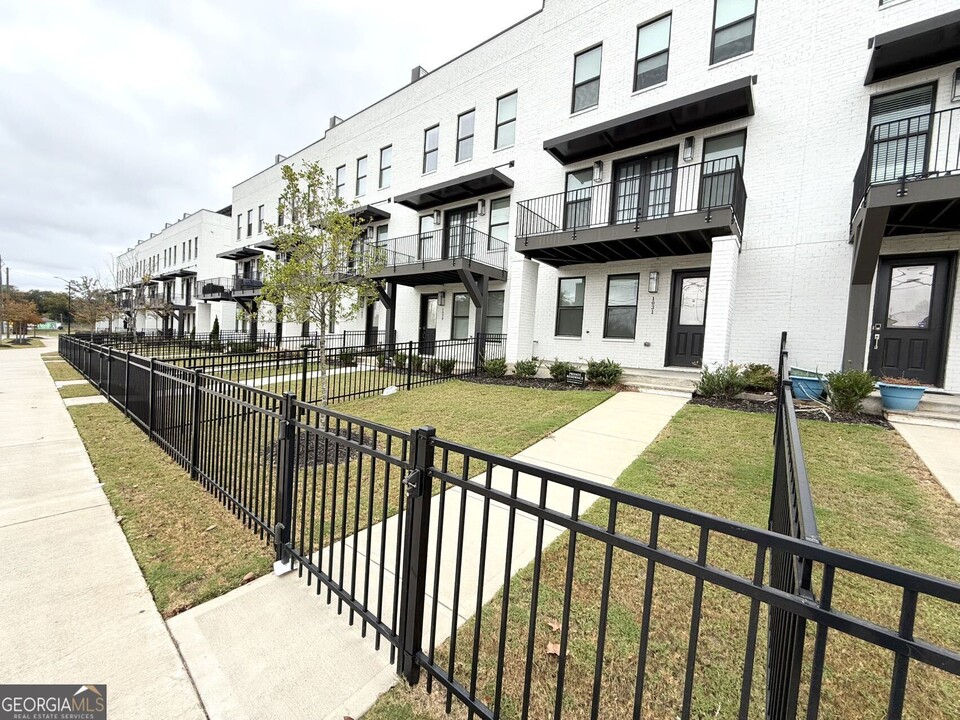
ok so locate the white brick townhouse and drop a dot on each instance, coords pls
(668, 183)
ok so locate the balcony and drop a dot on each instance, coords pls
(248, 285)
(443, 256)
(169, 301)
(677, 211)
(215, 289)
(907, 183)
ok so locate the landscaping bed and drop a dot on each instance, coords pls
(536, 383)
(805, 410)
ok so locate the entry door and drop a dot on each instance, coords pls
(428, 324)
(460, 231)
(688, 312)
(372, 326)
(643, 187)
(909, 318)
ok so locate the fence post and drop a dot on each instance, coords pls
(195, 428)
(303, 375)
(285, 483)
(126, 385)
(109, 372)
(409, 363)
(151, 385)
(413, 581)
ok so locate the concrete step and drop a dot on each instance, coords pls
(671, 384)
(924, 417)
(940, 403)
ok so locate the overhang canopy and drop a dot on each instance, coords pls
(462, 188)
(266, 245)
(183, 272)
(241, 253)
(730, 101)
(369, 213)
(925, 44)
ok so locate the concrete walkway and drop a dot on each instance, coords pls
(939, 448)
(279, 623)
(74, 607)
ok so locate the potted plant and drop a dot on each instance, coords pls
(903, 394)
(807, 384)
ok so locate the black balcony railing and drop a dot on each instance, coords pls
(459, 242)
(629, 201)
(214, 288)
(168, 300)
(902, 151)
(248, 284)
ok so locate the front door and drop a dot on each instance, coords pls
(688, 312)
(908, 335)
(459, 233)
(428, 324)
(372, 333)
(643, 187)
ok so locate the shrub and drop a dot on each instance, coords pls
(559, 370)
(723, 382)
(495, 367)
(604, 372)
(429, 365)
(348, 358)
(759, 378)
(446, 366)
(400, 360)
(526, 368)
(381, 359)
(416, 363)
(242, 347)
(846, 390)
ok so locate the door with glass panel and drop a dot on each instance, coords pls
(428, 323)
(722, 155)
(578, 199)
(910, 309)
(460, 232)
(643, 187)
(688, 313)
(900, 125)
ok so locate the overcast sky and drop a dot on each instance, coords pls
(119, 115)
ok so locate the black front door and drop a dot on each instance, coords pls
(428, 324)
(643, 187)
(688, 312)
(908, 335)
(459, 232)
(372, 326)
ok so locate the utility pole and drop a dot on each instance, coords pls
(8, 293)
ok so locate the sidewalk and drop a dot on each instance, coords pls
(279, 622)
(74, 607)
(939, 448)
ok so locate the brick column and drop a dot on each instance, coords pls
(724, 260)
(521, 308)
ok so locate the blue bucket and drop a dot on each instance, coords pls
(900, 397)
(807, 388)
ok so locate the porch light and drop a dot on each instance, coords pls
(653, 282)
(441, 298)
(481, 207)
(437, 217)
(688, 148)
(598, 171)
(956, 84)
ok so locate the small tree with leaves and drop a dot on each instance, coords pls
(20, 314)
(321, 262)
(91, 301)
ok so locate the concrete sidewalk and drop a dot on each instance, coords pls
(281, 624)
(939, 448)
(74, 607)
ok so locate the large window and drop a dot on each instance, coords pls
(499, 222)
(386, 166)
(431, 145)
(621, 316)
(362, 176)
(506, 134)
(733, 26)
(653, 52)
(570, 306)
(341, 181)
(461, 316)
(578, 199)
(586, 79)
(495, 312)
(899, 132)
(260, 219)
(465, 123)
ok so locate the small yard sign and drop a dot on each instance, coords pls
(576, 377)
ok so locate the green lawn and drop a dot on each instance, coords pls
(62, 370)
(9, 344)
(75, 391)
(873, 497)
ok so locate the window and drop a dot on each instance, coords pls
(174, 254)
(424, 241)
(578, 199)
(249, 223)
(570, 306)
(381, 240)
(465, 123)
(899, 132)
(733, 25)
(260, 219)
(362, 176)
(586, 79)
(499, 223)
(386, 166)
(461, 316)
(506, 133)
(196, 249)
(621, 316)
(183, 250)
(495, 312)
(721, 156)
(341, 181)
(431, 143)
(653, 51)
(239, 225)
(280, 217)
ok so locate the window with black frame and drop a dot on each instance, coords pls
(578, 199)
(465, 127)
(570, 306)
(722, 155)
(341, 181)
(586, 79)
(734, 22)
(899, 133)
(362, 176)
(653, 53)
(386, 166)
(431, 148)
(499, 223)
(461, 316)
(506, 133)
(620, 320)
(425, 238)
(495, 300)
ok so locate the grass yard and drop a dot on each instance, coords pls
(9, 344)
(62, 370)
(873, 497)
(75, 391)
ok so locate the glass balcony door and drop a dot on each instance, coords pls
(460, 232)
(900, 124)
(643, 187)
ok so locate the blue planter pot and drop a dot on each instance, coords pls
(807, 388)
(900, 397)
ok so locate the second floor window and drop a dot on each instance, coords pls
(381, 237)
(733, 25)
(341, 181)
(465, 136)
(260, 219)
(506, 133)
(431, 148)
(586, 79)
(386, 166)
(362, 176)
(653, 51)
(249, 223)
(499, 223)
(239, 226)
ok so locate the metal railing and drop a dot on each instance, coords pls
(216, 288)
(902, 151)
(168, 300)
(630, 201)
(458, 242)
(248, 284)
(456, 557)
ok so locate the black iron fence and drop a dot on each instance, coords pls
(525, 591)
(647, 195)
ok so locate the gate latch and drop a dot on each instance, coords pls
(413, 483)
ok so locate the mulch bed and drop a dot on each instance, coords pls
(805, 411)
(537, 383)
(320, 450)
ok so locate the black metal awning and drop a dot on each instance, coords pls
(461, 188)
(922, 45)
(241, 253)
(369, 213)
(183, 272)
(730, 101)
(163, 277)
(266, 245)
